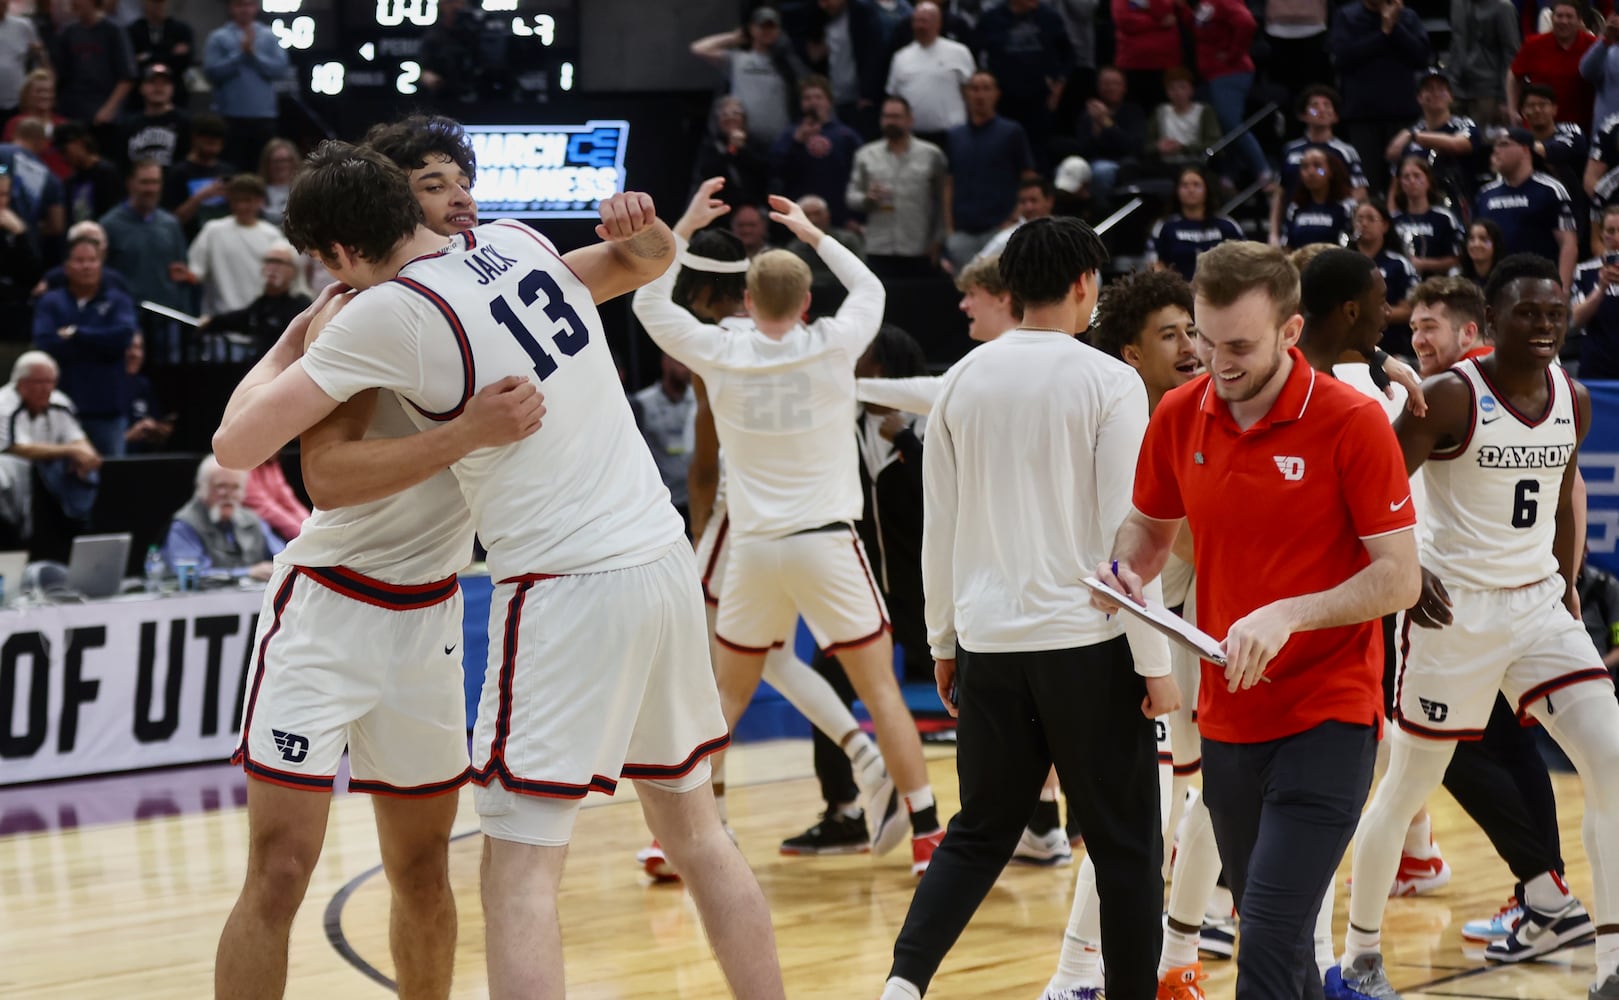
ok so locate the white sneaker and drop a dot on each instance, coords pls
(1043, 850)
(879, 799)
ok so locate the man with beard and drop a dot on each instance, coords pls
(902, 183)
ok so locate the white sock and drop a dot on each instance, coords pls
(850, 810)
(1607, 956)
(859, 746)
(1358, 942)
(1419, 837)
(1180, 948)
(918, 800)
(1546, 892)
(898, 989)
(1080, 964)
(1324, 958)
(1221, 905)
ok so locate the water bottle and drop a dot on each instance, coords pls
(156, 569)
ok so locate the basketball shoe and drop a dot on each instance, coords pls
(1043, 850)
(922, 849)
(1181, 983)
(1539, 933)
(655, 864)
(885, 821)
(1363, 980)
(1497, 927)
(836, 833)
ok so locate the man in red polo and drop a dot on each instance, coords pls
(1553, 58)
(1294, 487)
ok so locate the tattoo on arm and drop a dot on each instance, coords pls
(652, 244)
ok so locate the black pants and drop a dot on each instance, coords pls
(1370, 137)
(1283, 812)
(1501, 782)
(1079, 709)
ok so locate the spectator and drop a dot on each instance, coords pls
(730, 149)
(1321, 210)
(1554, 58)
(38, 103)
(227, 257)
(217, 533)
(1111, 133)
(1296, 32)
(243, 60)
(1601, 179)
(901, 183)
(56, 277)
(1484, 247)
(1484, 36)
(1372, 226)
(1036, 199)
(270, 496)
(1600, 68)
(1190, 228)
(1224, 31)
(1079, 19)
(1429, 229)
(1532, 209)
(96, 185)
(194, 188)
(1563, 151)
(41, 198)
(1180, 129)
(666, 412)
(748, 224)
(158, 131)
(1448, 140)
(825, 288)
(1595, 296)
(1318, 110)
(452, 54)
(147, 245)
(1025, 45)
(42, 441)
(1147, 41)
(278, 165)
(891, 14)
(160, 40)
(149, 427)
(86, 327)
(19, 264)
(988, 157)
(931, 73)
(260, 322)
(817, 156)
(1377, 46)
(760, 69)
(94, 66)
(19, 49)
(844, 43)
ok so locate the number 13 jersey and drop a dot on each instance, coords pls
(581, 494)
(1492, 500)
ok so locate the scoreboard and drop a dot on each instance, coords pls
(521, 50)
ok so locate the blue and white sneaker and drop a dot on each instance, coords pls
(1218, 937)
(1075, 993)
(1363, 980)
(1539, 933)
(1496, 927)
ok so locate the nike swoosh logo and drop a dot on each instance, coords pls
(1490, 420)
(1396, 506)
(449, 649)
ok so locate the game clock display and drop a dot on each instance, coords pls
(452, 50)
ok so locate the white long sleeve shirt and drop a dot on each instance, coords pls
(915, 394)
(1027, 474)
(781, 407)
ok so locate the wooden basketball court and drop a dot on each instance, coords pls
(133, 910)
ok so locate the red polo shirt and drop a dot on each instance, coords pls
(1278, 511)
(1541, 60)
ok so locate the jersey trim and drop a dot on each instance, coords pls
(1573, 405)
(1472, 421)
(668, 772)
(412, 791)
(377, 593)
(1417, 729)
(1553, 686)
(287, 779)
(709, 597)
(278, 607)
(468, 370)
(1551, 397)
(531, 234)
(1385, 534)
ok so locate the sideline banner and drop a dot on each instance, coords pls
(122, 684)
(1599, 461)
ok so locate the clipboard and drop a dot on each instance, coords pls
(1176, 628)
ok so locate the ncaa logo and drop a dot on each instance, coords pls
(1291, 467)
(1487, 404)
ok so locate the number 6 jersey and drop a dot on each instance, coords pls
(1492, 500)
(581, 494)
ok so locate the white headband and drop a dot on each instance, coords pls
(712, 266)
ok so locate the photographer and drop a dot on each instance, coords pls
(1596, 304)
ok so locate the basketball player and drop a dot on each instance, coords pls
(367, 593)
(781, 394)
(600, 670)
(1289, 725)
(710, 284)
(1498, 613)
(1500, 781)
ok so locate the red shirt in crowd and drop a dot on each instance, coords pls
(1542, 60)
(1279, 511)
(1224, 32)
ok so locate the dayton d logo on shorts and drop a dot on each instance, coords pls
(294, 748)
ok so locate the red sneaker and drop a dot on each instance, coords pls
(652, 861)
(1420, 875)
(922, 849)
(1181, 983)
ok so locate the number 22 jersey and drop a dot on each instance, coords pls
(581, 494)
(1492, 500)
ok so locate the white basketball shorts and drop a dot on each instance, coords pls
(712, 548)
(821, 574)
(593, 678)
(344, 660)
(1521, 642)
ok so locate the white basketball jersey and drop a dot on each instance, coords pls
(580, 495)
(1492, 501)
(416, 536)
